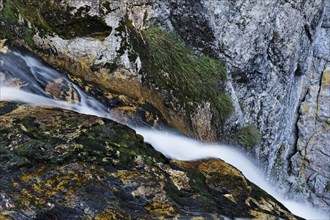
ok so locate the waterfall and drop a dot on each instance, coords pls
(23, 78)
(182, 148)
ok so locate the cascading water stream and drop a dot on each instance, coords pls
(182, 148)
(24, 79)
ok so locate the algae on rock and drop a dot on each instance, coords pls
(60, 164)
(248, 136)
(55, 17)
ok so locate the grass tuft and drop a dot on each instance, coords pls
(191, 78)
(224, 105)
(27, 36)
(9, 11)
(248, 136)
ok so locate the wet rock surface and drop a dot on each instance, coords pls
(57, 164)
(114, 62)
(275, 52)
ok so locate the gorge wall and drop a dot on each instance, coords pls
(276, 53)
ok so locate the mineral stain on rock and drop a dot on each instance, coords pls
(59, 164)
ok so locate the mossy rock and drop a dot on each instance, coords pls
(248, 136)
(59, 18)
(327, 187)
(178, 73)
(60, 164)
(179, 79)
(42, 139)
(49, 17)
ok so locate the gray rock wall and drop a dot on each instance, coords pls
(311, 164)
(276, 53)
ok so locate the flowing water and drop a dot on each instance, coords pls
(24, 78)
(27, 79)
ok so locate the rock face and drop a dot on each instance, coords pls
(56, 164)
(276, 54)
(311, 162)
(112, 58)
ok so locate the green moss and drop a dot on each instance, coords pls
(53, 17)
(197, 184)
(64, 137)
(11, 28)
(10, 16)
(279, 154)
(5, 33)
(276, 36)
(259, 193)
(27, 35)
(9, 11)
(327, 187)
(190, 78)
(111, 66)
(248, 136)
(224, 105)
(124, 30)
(225, 183)
(107, 6)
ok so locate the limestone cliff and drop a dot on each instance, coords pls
(276, 53)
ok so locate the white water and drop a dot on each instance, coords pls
(171, 145)
(14, 94)
(182, 148)
(33, 78)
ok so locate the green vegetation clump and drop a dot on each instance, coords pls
(190, 78)
(27, 36)
(53, 17)
(9, 11)
(327, 187)
(248, 136)
(10, 16)
(224, 105)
